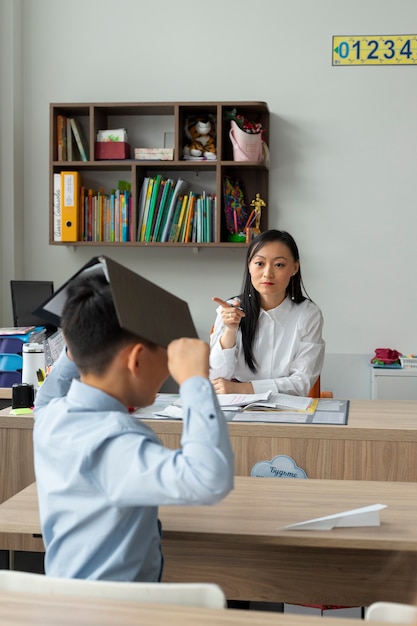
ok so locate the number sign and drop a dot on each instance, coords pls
(375, 50)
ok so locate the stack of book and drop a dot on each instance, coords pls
(106, 217)
(169, 211)
(71, 143)
(83, 214)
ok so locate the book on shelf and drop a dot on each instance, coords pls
(162, 209)
(178, 226)
(105, 216)
(181, 187)
(141, 205)
(175, 219)
(146, 208)
(69, 142)
(57, 207)
(152, 205)
(70, 209)
(79, 139)
(190, 218)
(61, 131)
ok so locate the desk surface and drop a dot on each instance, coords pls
(28, 609)
(376, 430)
(261, 507)
(261, 561)
(367, 419)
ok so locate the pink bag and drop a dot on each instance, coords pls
(246, 146)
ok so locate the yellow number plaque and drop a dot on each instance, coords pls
(374, 50)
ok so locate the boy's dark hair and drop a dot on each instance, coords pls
(90, 325)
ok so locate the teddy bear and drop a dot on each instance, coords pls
(200, 131)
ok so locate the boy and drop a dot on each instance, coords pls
(100, 472)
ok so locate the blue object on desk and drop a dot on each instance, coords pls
(8, 379)
(10, 362)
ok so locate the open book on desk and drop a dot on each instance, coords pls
(238, 402)
(280, 402)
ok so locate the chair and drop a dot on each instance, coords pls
(392, 612)
(191, 594)
(316, 392)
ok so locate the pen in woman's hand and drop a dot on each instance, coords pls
(223, 303)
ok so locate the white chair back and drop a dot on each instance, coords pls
(191, 594)
(391, 612)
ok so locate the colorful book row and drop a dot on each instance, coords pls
(168, 211)
(82, 214)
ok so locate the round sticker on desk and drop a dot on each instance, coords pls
(281, 466)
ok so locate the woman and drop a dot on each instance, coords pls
(269, 337)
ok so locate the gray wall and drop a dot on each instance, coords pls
(343, 176)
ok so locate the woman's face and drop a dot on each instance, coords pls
(271, 269)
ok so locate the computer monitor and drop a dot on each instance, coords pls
(27, 295)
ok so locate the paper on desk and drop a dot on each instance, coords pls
(364, 516)
(227, 401)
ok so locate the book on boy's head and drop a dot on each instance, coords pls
(142, 307)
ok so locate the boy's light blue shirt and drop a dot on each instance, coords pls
(102, 473)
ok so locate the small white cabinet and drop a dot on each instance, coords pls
(393, 384)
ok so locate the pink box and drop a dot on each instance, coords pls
(111, 150)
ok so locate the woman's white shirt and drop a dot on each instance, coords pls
(288, 350)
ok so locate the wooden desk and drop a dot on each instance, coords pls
(379, 443)
(26, 609)
(5, 393)
(240, 545)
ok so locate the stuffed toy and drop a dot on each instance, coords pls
(200, 131)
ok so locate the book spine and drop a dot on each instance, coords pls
(57, 208)
(78, 139)
(69, 139)
(70, 198)
(60, 125)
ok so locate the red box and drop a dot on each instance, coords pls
(112, 150)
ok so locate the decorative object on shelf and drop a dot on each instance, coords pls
(386, 356)
(200, 132)
(112, 144)
(235, 207)
(247, 138)
(253, 225)
(154, 154)
(115, 134)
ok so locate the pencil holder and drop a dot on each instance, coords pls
(22, 396)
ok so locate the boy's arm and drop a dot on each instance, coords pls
(58, 381)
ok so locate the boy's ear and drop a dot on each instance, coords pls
(134, 357)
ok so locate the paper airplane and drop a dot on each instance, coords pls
(364, 516)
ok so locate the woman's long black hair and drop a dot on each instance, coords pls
(249, 298)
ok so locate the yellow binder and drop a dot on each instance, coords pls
(70, 205)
